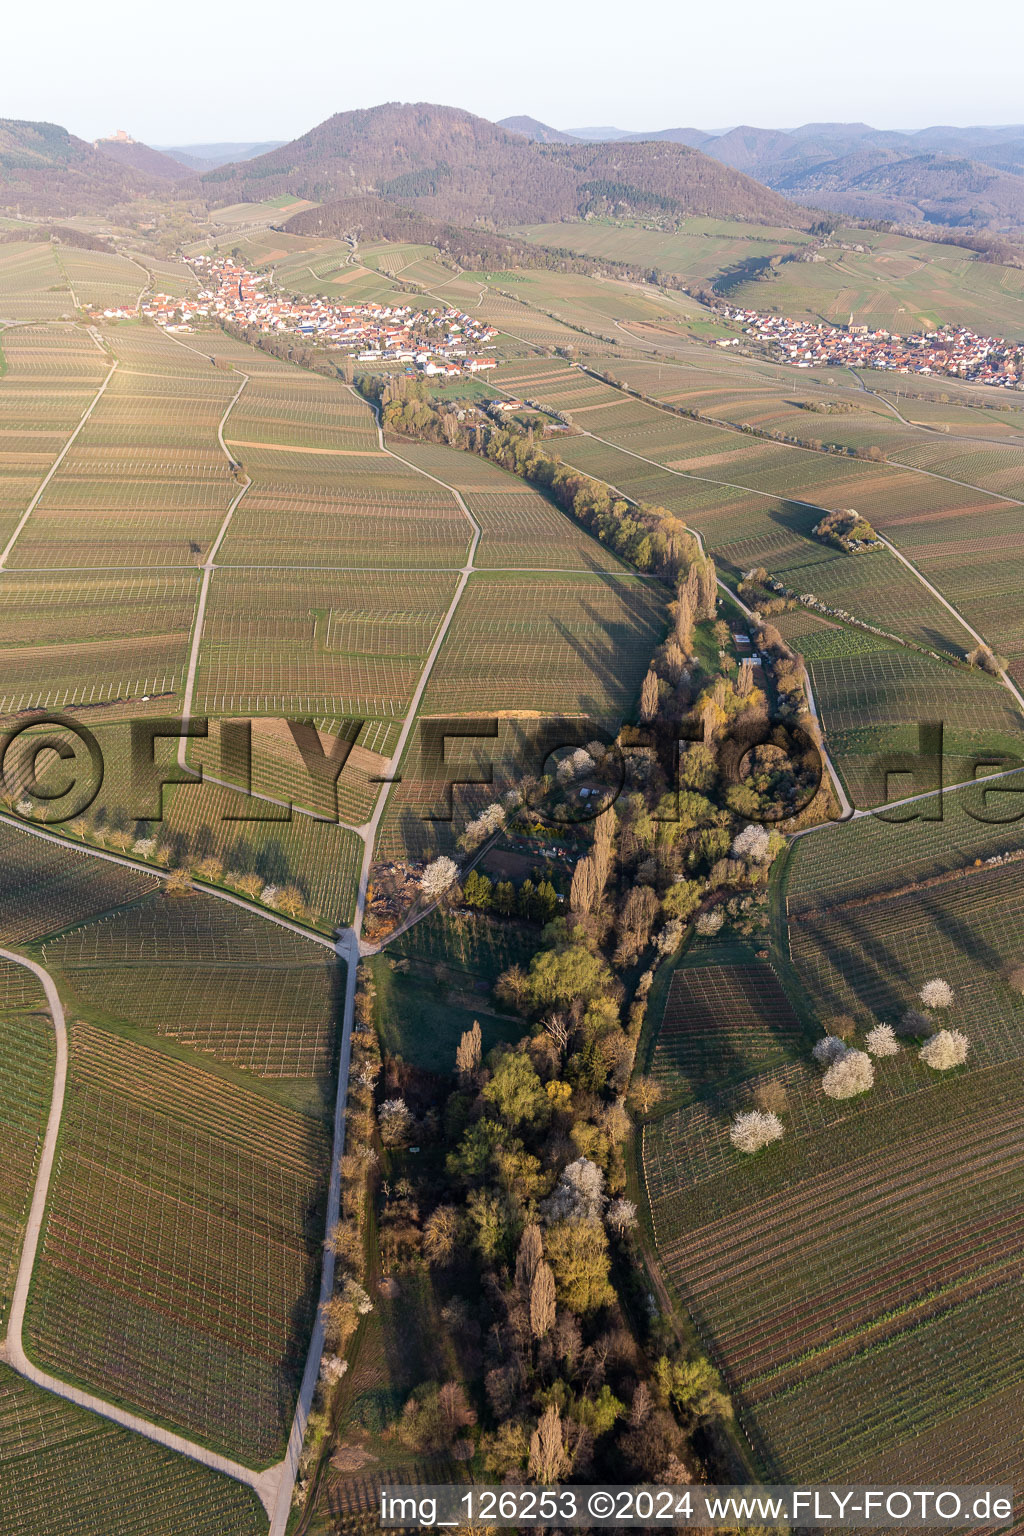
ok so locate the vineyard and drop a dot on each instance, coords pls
(520, 527)
(748, 495)
(219, 979)
(872, 697)
(47, 888)
(572, 644)
(306, 642)
(722, 1023)
(64, 1472)
(857, 1282)
(177, 1269)
(26, 1079)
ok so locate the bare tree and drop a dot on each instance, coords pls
(556, 1026)
(469, 1052)
(709, 718)
(441, 1235)
(649, 696)
(645, 1093)
(530, 1255)
(634, 923)
(395, 1120)
(583, 891)
(771, 1097)
(641, 1406)
(914, 1022)
(828, 1050)
(675, 661)
(513, 986)
(548, 1459)
(707, 590)
(542, 1301)
(454, 1410)
(604, 842)
(681, 613)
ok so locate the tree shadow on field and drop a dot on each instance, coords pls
(711, 1063)
(869, 954)
(943, 643)
(967, 940)
(612, 659)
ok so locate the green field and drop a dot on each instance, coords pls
(892, 281)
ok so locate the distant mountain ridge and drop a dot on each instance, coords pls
(942, 175)
(452, 165)
(207, 157)
(540, 133)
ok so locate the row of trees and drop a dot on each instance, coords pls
(648, 537)
(516, 1202)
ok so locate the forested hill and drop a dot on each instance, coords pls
(46, 170)
(941, 189)
(452, 165)
(141, 157)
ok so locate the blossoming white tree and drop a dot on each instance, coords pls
(752, 844)
(853, 1073)
(438, 876)
(948, 1048)
(574, 766)
(755, 1128)
(578, 1193)
(490, 819)
(881, 1041)
(621, 1215)
(936, 994)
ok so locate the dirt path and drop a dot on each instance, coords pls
(58, 461)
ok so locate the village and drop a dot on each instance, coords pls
(952, 351)
(438, 341)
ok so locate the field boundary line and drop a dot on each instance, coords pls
(208, 569)
(1004, 676)
(264, 1484)
(55, 466)
(141, 868)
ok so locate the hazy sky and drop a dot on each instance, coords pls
(197, 71)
